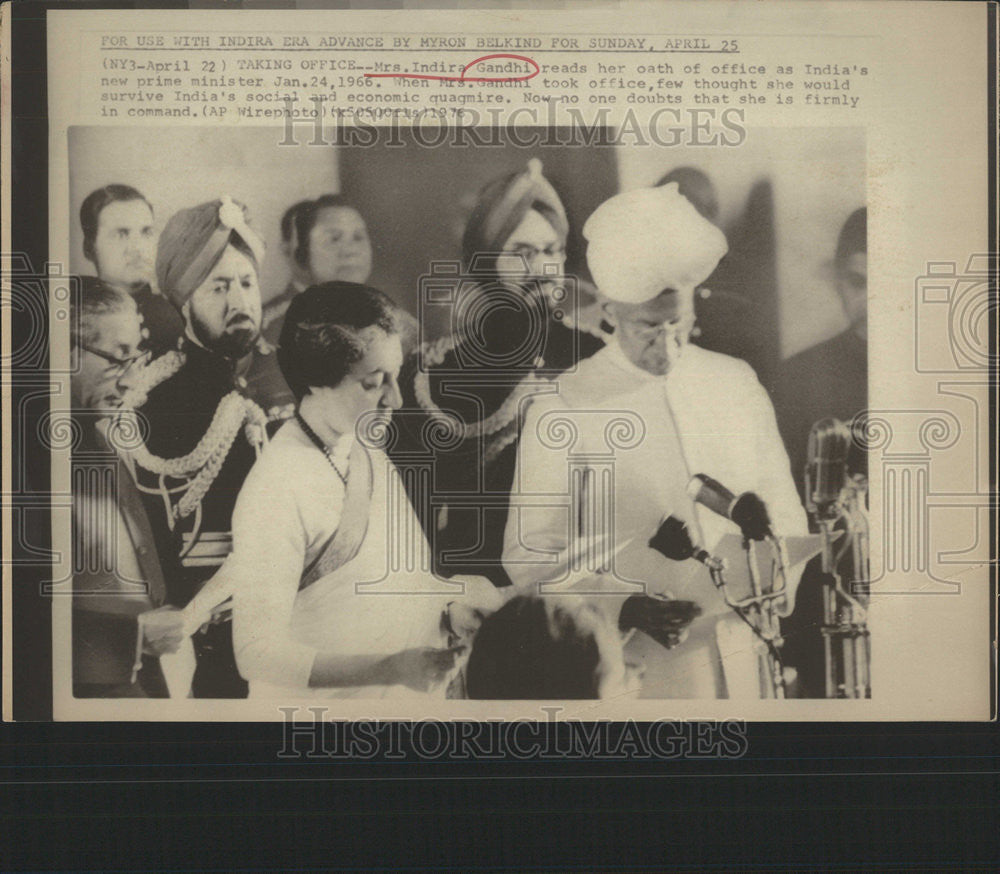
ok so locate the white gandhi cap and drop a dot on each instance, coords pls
(644, 241)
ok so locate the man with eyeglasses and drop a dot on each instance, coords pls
(120, 623)
(609, 457)
(514, 321)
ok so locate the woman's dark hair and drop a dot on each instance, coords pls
(320, 340)
(530, 650)
(304, 218)
(288, 219)
(94, 204)
(853, 236)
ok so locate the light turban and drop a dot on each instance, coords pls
(503, 203)
(645, 241)
(193, 241)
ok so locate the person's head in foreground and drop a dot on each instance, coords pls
(340, 353)
(330, 242)
(521, 217)
(208, 265)
(555, 648)
(118, 236)
(106, 346)
(648, 250)
(850, 267)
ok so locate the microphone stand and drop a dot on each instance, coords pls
(846, 639)
(759, 611)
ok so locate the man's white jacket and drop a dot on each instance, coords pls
(606, 457)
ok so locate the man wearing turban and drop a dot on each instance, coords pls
(513, 325)
(606, 459)
(201, 421)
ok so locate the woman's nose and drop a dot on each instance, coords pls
(393, 397)
(351, 247)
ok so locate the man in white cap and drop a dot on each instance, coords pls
(609, 456)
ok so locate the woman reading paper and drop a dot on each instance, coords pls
(317, 608)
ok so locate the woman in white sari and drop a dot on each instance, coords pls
(320, 529)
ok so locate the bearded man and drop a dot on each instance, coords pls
(204, 430)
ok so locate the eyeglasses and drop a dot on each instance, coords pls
(530, 253)
(120, 366)
(648, 333)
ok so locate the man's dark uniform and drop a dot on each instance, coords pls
(161, 322)
(180, 412)
(474, 476)
(827, 380)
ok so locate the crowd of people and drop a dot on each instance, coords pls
(318, 500)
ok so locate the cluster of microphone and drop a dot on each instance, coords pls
(826, 473)
(746, 510)
(826, 477)
(828, 498)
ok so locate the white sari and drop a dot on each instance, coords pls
(351, 592)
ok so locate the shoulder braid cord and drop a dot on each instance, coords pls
(202, 464)
(503, 422)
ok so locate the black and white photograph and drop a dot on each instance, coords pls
(485, 422)
(489, 435)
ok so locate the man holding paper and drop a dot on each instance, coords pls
(120, 624)
(612, 454)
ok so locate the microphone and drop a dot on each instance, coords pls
(826, 465)
(747, 510)
(673, 541)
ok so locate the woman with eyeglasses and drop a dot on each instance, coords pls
(515, 323)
